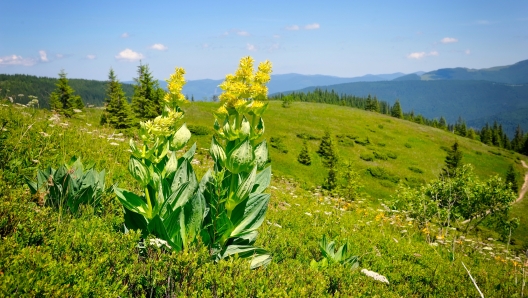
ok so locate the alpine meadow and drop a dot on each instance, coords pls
(267, 149)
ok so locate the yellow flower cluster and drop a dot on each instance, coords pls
(245, 85)
(162, 126)
(175, 85)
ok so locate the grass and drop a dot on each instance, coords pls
(40, 256)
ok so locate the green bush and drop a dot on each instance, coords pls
(407, 145)
(307, 136)
(367, 156)
(362, 142)
(199, 130)
(416, 170)
(382, 174)
(392, 155)
(380, 156)
(276, 142)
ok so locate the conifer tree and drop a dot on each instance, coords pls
(442, 123)
(460, 127)
(485, 135)
(328, 151)
(524, 148)
(118, 113)
(453, 160)
(146, 101)
(304, 157)
(517, 140)
(63, 99)
(471, 134)
(396, 110)
(511, 177)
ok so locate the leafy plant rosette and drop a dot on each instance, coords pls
(69, 186)
(171, 207)
(330, 256)
(234, 189)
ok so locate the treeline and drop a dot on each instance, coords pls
(91, 91)
(492, 135)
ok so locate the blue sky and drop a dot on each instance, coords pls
(207, 38)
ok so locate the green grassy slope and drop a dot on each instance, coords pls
(44, 254)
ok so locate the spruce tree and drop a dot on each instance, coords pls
(146, 101)
(453, 160)
(328, 151)
(63, 99)
(304, 157)
(442, 123)
(460, 127)
(396, 110)
(524, 148)
(517, 140)
(118, 113)
(511, 177)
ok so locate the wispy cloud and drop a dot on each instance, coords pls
(276, 36)
(312, 26)
(90, 57)
(448, 40)
(242, 33)
(292, 28)
(159, 47)
(467, 52)
(129, 55)
(482, 22)
(16, 60)
(125, 35)
(274, 47)
(43, 56)
(251, 47)
(421, 55)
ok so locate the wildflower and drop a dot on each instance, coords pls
(77, 111)
(308, 213)
(114, 144)
(158, 242)
(375, 276)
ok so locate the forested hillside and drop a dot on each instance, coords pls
(91, 91)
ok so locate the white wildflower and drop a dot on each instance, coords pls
(159, 242)
(44, 134)
(77, 111)
(487, 248)
(114, 144)
(328, 213)
(375, 275)
(277, 225)
(308, 213)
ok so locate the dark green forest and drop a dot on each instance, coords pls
(91, 91)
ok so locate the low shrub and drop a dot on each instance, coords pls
(362, 142)
(407, 145)
(380, 156)
(416, 170)
(382, 174)
(276, 142)
(392, 155)
(199, 130)
(307, 136)
(367, 156)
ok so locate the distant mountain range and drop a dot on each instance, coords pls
(477, 95)
(205, 89)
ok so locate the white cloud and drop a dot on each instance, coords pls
(312, 26)
(448, 40)
(59, 56)
(159, 47)
(125, 35)
(16, 60)
(276, 36)
(420, 55)
(43, 56)
(205, 46)
(251, 47)
(292, 28)
(129, 55)
(242, 33)
(274, 47)
(467, 52)
(90, 57)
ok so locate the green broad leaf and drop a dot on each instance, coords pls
(177, 199)
(191, 219)
(160, 154)
(134, 149)
(241, 158)
(259, 256)
(249, 215)
(60, 174)
(132, 202)
(155, 177)
(135, 221)
(184, 173)
(314, 265)
(173, 227)
(217, 152)
(189, 155)
(261, 155)
(170, 167)
(180, 138)
(33, 186)
(258, 131)
(246, 239)
(245, 129)
(158, 228)
(139, 171)
(245, 185)
(262, 181)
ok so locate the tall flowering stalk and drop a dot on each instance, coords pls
(233, 190)
(171, 207)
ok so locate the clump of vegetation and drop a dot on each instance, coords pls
(392, 155)
(407, 145)
(380, 155)
(453, 160)
(63, 100)
(304, 156)
(276, 142)
(118, 113)
(307, 136)
(362, 142)
(199, 130)
(68, 187)
(382, 174)
(368, 156)
(328, 153)
(416, 170)
(331, 257)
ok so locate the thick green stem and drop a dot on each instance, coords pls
(232, 190)
(149, 204)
